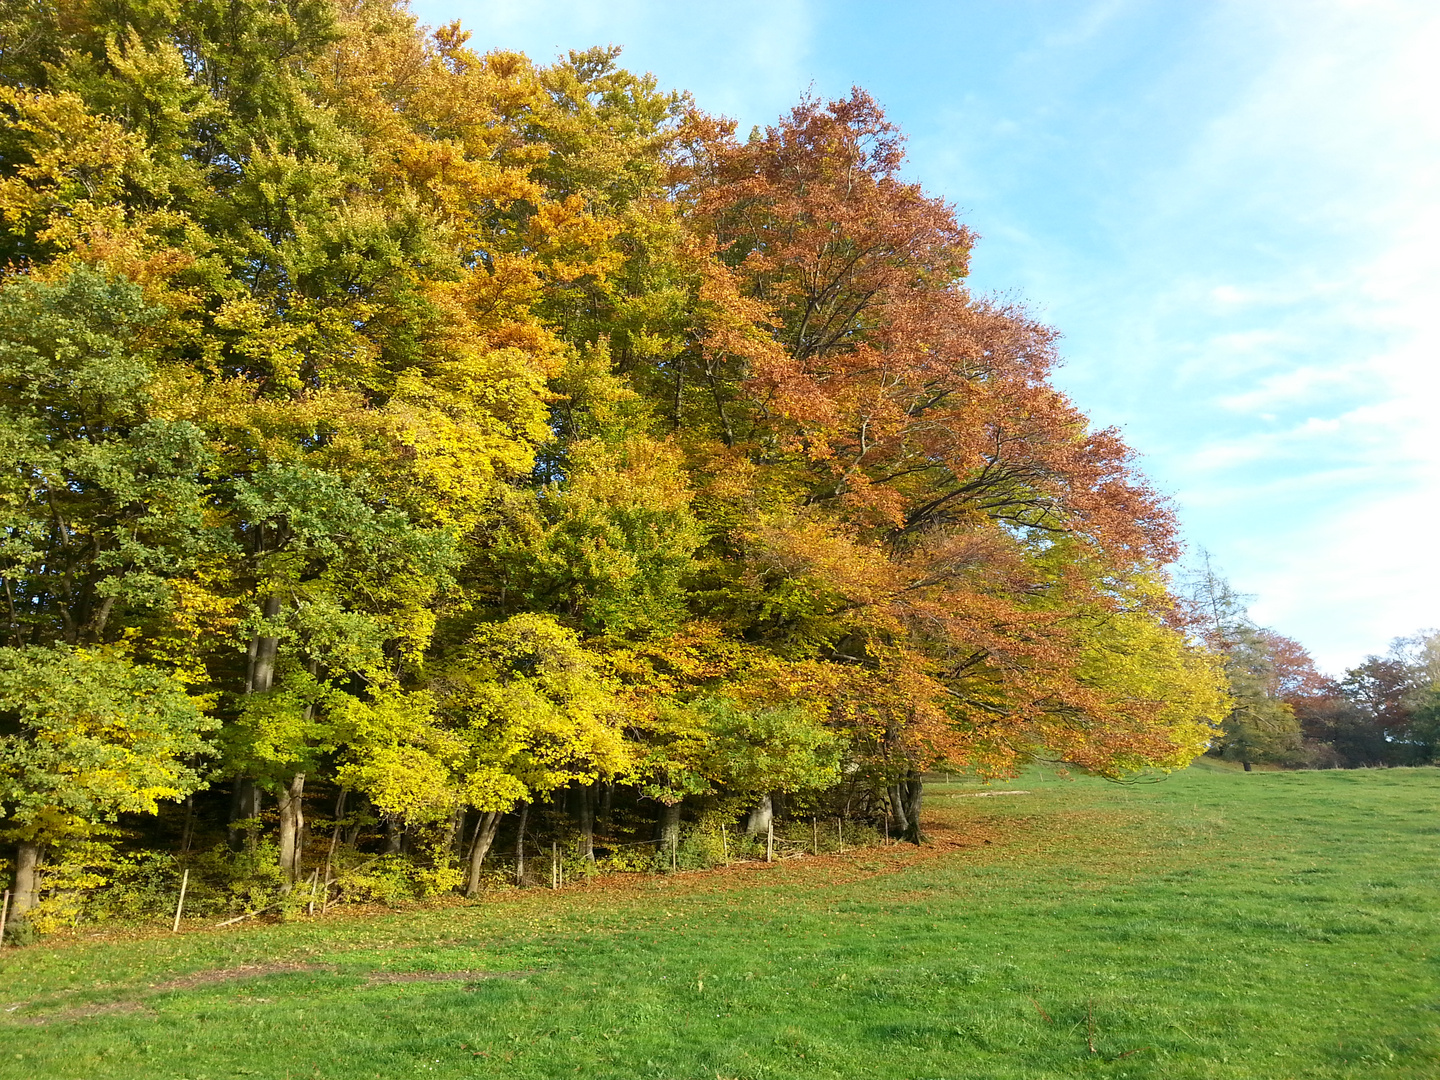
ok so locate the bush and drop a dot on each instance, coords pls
(20, 931)
(1322, 755)
(394, 879)
(68, 877)
(225, 882)
(628, 859)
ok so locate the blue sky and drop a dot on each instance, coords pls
(1231, 210)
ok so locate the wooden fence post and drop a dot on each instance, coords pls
(725, 844)
(770, 840)
(180, 906)
(4, 917)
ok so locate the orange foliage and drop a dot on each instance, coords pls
(948, 525)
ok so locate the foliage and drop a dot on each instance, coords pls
(392, 879)
(1383, 711)
(534, 711)
(1260, 725)
(89, 735)
(462, 434)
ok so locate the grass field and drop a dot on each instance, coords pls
(1218, 924)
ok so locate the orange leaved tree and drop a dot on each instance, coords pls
(929, 529)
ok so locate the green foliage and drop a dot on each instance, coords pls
(20, 932)
(88, 735)
(611, 544)
(1259, 728)
(101, 500)
(1261, 725)
(393, 879)
(778, 748)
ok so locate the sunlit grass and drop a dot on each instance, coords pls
(1219, 924)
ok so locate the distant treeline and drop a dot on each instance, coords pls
(410, 449)
(1385, 711)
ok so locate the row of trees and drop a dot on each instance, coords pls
(1284, 711)
(384, 417)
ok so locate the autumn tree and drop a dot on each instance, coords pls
(87, 735)
(1383, 710)
(304, 261)
(1264, 670)
(456, 432)
(923, 509)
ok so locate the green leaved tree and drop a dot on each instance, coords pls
(87, 735)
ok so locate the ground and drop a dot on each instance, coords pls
(1216, 924)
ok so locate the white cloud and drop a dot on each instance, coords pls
(1296, 385)
(1255, 299)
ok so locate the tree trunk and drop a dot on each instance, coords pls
(897, 809)
(587, 823)
(334, 840)
(911, 790)
(484, 836)
(245, 805)
(520, 844)
(187, 832)
(351, 836)
(292, 822)
(760, 817)
(260, 678)
(460, 848)
(1247, 765)
(263, 651)
(394, 835)
(453, 829)
(27, 860)
(669, 830)
(607, 800)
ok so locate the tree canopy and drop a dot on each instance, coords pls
(459, 431)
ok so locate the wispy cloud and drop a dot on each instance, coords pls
(1253, 297)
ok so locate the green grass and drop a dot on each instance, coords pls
(1269, 925)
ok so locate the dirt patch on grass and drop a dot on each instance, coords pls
(75, 1012)
(979, 794)
(197, 979)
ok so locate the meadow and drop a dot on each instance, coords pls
(1217, 924)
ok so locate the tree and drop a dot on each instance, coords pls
(533, 711)
(102, 499)
(1262, 668)
(921, 508)
(86, 735)
(1382, 691)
